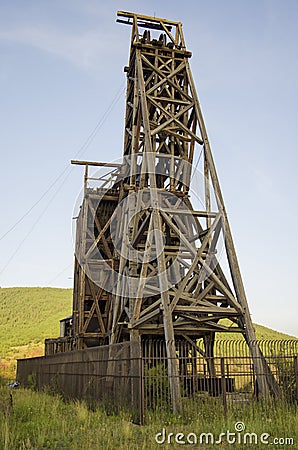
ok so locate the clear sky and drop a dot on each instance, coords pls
(62, 93)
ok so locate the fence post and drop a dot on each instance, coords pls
(142, 392)
(136, 377)
(296, 374)
(223, 386)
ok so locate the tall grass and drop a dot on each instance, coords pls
(41, 421)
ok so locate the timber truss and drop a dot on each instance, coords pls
(154, 252)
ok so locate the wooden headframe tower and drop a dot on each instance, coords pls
(152, 238)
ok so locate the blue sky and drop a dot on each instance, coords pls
(61, 78)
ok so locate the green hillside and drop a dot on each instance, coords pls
(261, 333)
(32, 314)
(29, 315)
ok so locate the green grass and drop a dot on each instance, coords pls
(42, 421)
(28, 316)
(261, 333)
(32, 314)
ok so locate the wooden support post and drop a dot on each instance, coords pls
(167, 320)
(209, 352)
(136, 375)
(231, 252)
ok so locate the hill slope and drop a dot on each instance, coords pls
(29, 315)
(32, 314)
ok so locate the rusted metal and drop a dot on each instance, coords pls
(223, 386)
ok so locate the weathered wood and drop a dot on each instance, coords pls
(167, 321)
(167, 276)
(94, 163)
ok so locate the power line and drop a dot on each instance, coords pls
(81, 150)
(66, 171)
(196, 166)
(34, 205)
(59, 274)
(34, 225)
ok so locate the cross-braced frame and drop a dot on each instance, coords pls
(155, 254)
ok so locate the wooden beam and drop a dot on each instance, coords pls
(94, 163)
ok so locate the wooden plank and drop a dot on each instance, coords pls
(167, 32)
(221, 286)
(99, 229)
(168, 100)
(167, 79)
(210, 214)
(145, 318)
(94, 163)
(144, 269)
(149, 308)
(206, 309)
(141, 85)
(146, 18)
(99, 237)
(195, 346)
(194, 264)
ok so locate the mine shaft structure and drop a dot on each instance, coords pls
(151, 237)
